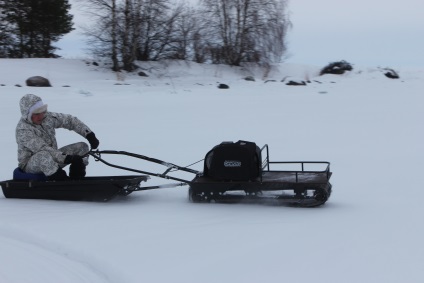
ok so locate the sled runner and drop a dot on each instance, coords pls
(233, 172)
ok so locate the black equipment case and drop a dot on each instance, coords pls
(239, 161)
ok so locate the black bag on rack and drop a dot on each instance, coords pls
(239, 161)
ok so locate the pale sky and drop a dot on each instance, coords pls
(364, 32)
(384, 33)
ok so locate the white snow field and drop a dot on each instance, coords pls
(368, 126)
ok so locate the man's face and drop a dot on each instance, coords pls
(38, 118)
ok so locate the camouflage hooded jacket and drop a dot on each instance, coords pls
(32, 138)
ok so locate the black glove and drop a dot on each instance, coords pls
(72, 159)
(94, 142)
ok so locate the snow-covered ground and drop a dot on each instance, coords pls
(368, 126)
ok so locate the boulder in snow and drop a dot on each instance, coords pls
(223, 86)
(336, 68)
(391, 74)
(38, 81)
(296, 82)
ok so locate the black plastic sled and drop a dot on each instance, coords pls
(232, 172)
(88, 189)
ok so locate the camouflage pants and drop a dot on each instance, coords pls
(42, 162)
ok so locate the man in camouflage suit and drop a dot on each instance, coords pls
(37, 146)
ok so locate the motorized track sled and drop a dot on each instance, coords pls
(232, 172)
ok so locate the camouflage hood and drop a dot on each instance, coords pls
(31, 104)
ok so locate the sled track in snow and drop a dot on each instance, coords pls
(29, 258)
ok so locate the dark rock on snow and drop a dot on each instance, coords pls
(38, 81)
(223, 86)
(336, 68)
(391, 74)
(296, 83)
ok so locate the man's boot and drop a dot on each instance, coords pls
(59, 175)
(77, 169)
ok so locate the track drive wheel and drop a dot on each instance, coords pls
(193, 196)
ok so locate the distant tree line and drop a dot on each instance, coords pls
(125, 31)
(28, 28)
(216, 31)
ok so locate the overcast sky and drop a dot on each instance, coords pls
(363, 32)
(385, 33)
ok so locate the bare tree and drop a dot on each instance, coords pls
(271, 45)
(126, 50)
(129, 30)
(174, 37)
(114, 36)
(189, 41)
(103, 36)
(155, 29)
(246, 30)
